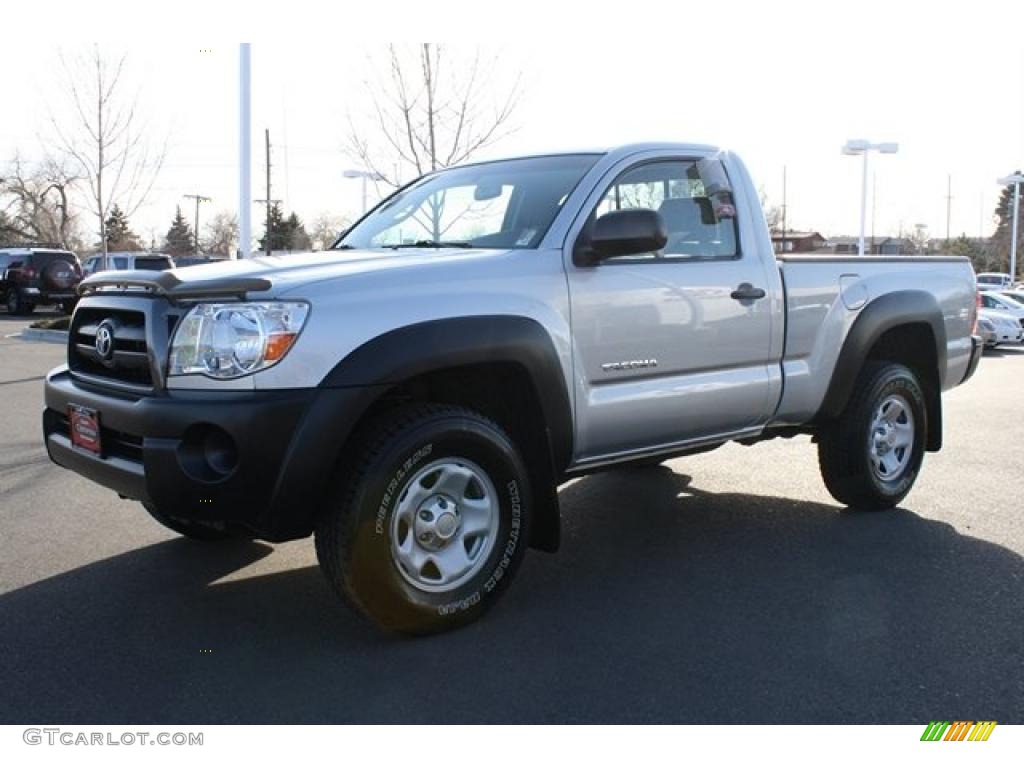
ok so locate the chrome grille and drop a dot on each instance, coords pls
(127, 358)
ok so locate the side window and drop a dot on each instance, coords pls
(988, 302)
(120, 262)
(694, 199)
(5, 259)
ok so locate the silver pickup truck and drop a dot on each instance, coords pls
(415, 395)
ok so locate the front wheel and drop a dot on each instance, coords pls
(429, 527)
(871, 455)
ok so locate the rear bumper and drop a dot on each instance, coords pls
(262, 460)
(977, 345)
(46, 296)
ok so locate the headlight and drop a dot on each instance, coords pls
(225, 341)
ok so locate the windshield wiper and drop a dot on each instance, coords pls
(342, 247)
(431, 244)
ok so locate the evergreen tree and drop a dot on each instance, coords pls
(179, 240)
(279, 234)
(298, 238)
(119, 234)
(286, 234)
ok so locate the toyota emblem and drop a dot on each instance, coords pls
(105, 341)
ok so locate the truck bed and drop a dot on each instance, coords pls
(825, 294)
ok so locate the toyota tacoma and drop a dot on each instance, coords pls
(414, 396)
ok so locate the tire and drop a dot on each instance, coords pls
(57, 277)
(397, 544)
(192, 529)
(15, 304)
(870, 470)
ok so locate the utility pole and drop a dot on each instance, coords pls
(268, 201)
(949, 203)
(782, 246)
(874, 196)
(199, 199)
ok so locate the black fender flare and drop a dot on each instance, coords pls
(879, 316)
(409, 351)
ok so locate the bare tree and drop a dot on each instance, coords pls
(920, 239)
(106, 140)
(325, 230)
(35, 203)
(221, 234)
(772, 213)
(429, 110)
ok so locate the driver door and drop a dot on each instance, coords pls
(665, 353)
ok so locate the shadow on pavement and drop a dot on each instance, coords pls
(666, 604)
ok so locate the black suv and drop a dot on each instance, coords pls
(31, 275)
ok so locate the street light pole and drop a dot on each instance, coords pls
(1015, 179)
(862, 147)
(1013, 245)
(354, 173)
(863, 203)
(244, 150)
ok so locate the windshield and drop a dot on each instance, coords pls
(506, 204)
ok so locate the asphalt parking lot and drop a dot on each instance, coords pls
(722, 588)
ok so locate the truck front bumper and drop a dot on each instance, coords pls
(261, 460)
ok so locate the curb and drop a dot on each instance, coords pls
(42, 334)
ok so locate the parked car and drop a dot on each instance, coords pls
(999, 328)
(192, 261)
(33, 275)
(416, 395)
(1017, 294)
(129, 260)
(991, 281)
(1001, 303)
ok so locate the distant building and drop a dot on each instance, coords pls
(797, 242)
(884, 246)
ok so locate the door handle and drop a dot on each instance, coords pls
(747, 292)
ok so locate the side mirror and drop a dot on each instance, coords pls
(621, 233)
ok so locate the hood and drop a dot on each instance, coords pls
(277, 274)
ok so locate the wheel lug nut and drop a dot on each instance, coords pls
(425, 515)
(442, 504)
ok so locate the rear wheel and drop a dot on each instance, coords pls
(16, 305)
(431, 524)
(871, 455)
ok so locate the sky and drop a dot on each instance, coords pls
(783, 84)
